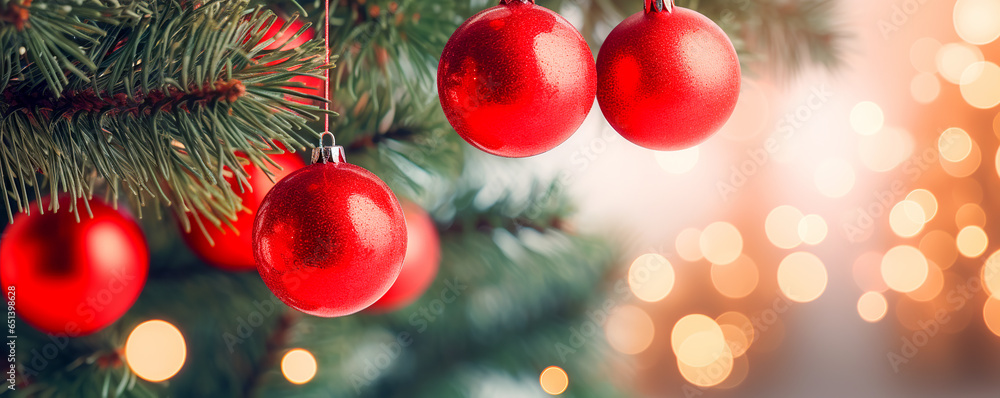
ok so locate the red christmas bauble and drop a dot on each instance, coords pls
(284, 42)
(420, 265)
(329, 239)
(73, 278)
(667, 80)
(516, 80)
(233, 250)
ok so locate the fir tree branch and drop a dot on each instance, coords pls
(170, 101)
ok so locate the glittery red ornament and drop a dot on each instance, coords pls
(516, 80)
(668, 78)
(73, 278)
(232, 250)
(329, 239)
(420, 266)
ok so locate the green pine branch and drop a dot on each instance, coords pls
(154, 106)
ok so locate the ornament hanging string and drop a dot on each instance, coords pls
(332, 153)
(326, 72)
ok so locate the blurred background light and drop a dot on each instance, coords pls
(155, 350)
(687, 244)
(953, 59)
(872, 306)
(651, 277)
(904, 268)
(802, 277)
(298, 366)
(867, 118)
(812, 229)
(629, 330)
(979, 84)
(721, 243)
(554, 380)
(782, 226)
(971, 241)
(698, 341)
(976, 21)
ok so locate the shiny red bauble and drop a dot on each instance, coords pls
(668, 79)
(73, 278)
(232, 249)
(420, 266)
(329, 239)
(516, 80)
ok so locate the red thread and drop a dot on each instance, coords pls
(326, 72)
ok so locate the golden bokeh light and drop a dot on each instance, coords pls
(979, 84)
(812, 229)
(872, 307)
(931, 288)
(991, 315)
(939, 247)
(554, 380)
(155, 350)
(697, 341)
(741, 323)
(721, 243)
(885, 150)
(976, 21)
(904, 268)
(922, 55)
(996, 162)
(629, 330)
(298, 366)
(737, 279)
(867, 272)
(867, 118)
(971, 241)
(926, 200)
(677, 162)
(965, 167)
(711, 374)
(954, 144)
(802, 277)
(970, 214)
(953, 58)
(925, 88)
(991, 274)
(906, 218)
(687, 244)
(834, 177)
(782, 226)
(651, 277)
